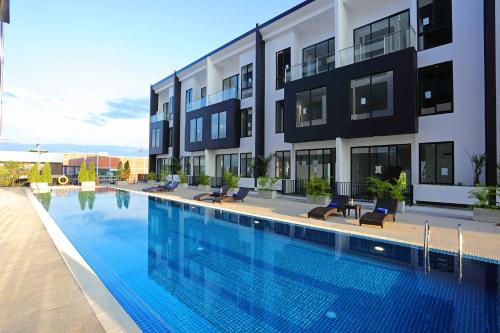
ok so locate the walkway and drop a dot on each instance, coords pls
(37, 291)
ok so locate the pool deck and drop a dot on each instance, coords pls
(481, 239)
(37, 291)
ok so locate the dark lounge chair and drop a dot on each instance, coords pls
(377, 217)
(215, 194)
(337, 205)
(169, 188)
(238, 196)
(153, 188)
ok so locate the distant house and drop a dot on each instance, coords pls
(29, 158)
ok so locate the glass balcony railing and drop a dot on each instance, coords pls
(159, 116)
(389, 43)
(217, 97)
(376, 47)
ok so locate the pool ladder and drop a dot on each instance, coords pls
(460, 251)
(427, 237)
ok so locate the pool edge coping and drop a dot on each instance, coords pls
(466, 254)
(107, 309)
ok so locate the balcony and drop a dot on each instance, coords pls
(377, 47)
(159, 116)
(214, 98)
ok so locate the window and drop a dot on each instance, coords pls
(385, 162)
(318, 58)
(434, 23)
(230, 87)
(436, 88)
(189, 99)
(171, 108)
(315, 163)
(203, 96)
(198, 165)
(187, 164)
(165, 108)
(155, 138)
(246, 122)
(282, 164)
(196, 130)
(436, 163)
(163, 164)
(246, 163)
(369, 40)
(218, 125)
(170, 136)
(311, 107)
(372, 96)
(280, 105)
(226, 162)
(282, 62)
(246, 81)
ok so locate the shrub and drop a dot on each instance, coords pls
(152, 175)
(34, 174)
(91, 176)
(182, 177)
(478, 162)
(119, 171)
(46, 174)
(126, 170)
(163, 175)
(317, 187)
(261, 164)
(82, 173)
(175, 167)
(203, 179)
(231, 180)
(398, 189)
(378, 186)
(482, 194)
(10, 172)
(266, 184)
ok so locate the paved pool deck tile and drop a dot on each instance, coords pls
(37, 291)
(480, 238)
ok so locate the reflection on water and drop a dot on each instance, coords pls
(44, 199)
(122, 199)
(86, 199)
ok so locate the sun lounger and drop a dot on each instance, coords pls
(385, 209)
(207, 196)
(238, 196)
(337, 205)
(153, 188)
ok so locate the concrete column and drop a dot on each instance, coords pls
(209, 163)
(342, 173)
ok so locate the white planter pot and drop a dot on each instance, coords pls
(401, 206)
(183, 185)
(321, 200)
(88, 186)
(122, 182)
(204, 188)
(40, 187)
(266, 194)
(486, 215)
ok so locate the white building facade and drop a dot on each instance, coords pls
(342, 90)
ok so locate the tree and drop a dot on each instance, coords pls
(83, 173)
(261, 165)
(10, 171)
(126, 170)
(175, 167)
(91, 173)
(34, 174)
(46, 173)
(119, 171)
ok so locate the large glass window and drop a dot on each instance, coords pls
(311, 107)
(436, 163)
(436, 88)
(315, 163)
(196, 130)
(434, 23)
(385, 162)
(155, 138)
(186, 160)
(198, 165)
(318, 58)
(246, 81)
(170, 136)
(226, 162)
(282, 164)
(282, 62)
(189, 99)
(163, 164)
(203, 96)
(246, 163)
(246, 122)
(280, 105)
(170, 108)
(230, 87)
(369, 40)
(165, 107)
(372, 96)
(218, 125)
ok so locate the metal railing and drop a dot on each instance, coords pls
(376, 47)
(159, 116)
(217, 97)
(357, 191)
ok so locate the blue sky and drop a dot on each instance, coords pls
(79, 71)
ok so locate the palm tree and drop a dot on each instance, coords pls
(261, 165)
(478, 162)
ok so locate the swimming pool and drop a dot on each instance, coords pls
(183, 268)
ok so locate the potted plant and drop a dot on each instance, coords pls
(318, 191)
(204, 182)
(182, 179)
(151, 177)
(265, 187)
(397, 192)
(37, 183)
(378, 187)
(87, 177)
(483, 210)
(232, 182)
(478, 162)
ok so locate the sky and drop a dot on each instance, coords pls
(79, 72)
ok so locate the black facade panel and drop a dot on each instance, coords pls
(177, 120)
(233, 126)
(259, 95)
(163, 148)
(338, 81)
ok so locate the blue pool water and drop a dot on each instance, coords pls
(182, 268)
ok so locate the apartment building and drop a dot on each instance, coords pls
(344, 90)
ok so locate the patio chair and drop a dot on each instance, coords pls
(153, 188)
(168, 188)
(238, 196)
(385, 209)
(337, 205)
(215, 194)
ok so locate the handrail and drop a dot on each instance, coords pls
(216, 97)
(427, 237)
(460, 251)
